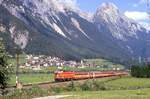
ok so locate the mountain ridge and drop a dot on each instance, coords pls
(69, 34)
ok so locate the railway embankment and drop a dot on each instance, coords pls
(118, 84)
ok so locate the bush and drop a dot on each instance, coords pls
(141, 71)
(86, 86)
(93, 86)
(99, 86)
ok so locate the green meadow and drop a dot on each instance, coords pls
(32, 78)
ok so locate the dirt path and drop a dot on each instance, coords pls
(53, 97)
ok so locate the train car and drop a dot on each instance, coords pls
(64, 76)
(67, 76)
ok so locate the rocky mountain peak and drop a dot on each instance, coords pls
(119, 25)
(106, 7)
(55, 27)
(108, 12)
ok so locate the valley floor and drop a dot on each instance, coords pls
(113, 94)
(123, 88)
(104, 88)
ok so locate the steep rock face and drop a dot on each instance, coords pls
(130, 35)
(120, 26)
(53, 28)
(39, 39)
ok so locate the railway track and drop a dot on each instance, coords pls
(47, 85)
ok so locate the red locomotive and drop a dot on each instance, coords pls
(67, 76)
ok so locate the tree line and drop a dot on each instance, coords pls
(141, 71)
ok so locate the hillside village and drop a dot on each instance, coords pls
(37, 62)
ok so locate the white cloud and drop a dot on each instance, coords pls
(60, 5)
(140, 17)
(137, 16)
(68, 3)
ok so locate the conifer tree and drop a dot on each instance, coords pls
(4, 70)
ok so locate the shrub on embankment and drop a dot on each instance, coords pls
(117, 83)
(36, 91)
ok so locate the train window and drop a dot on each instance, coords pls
(82, 74)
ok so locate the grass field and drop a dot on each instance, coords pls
(32, 78)
(110, 88)
(123, 88)
(112, 94)
(129, 83)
